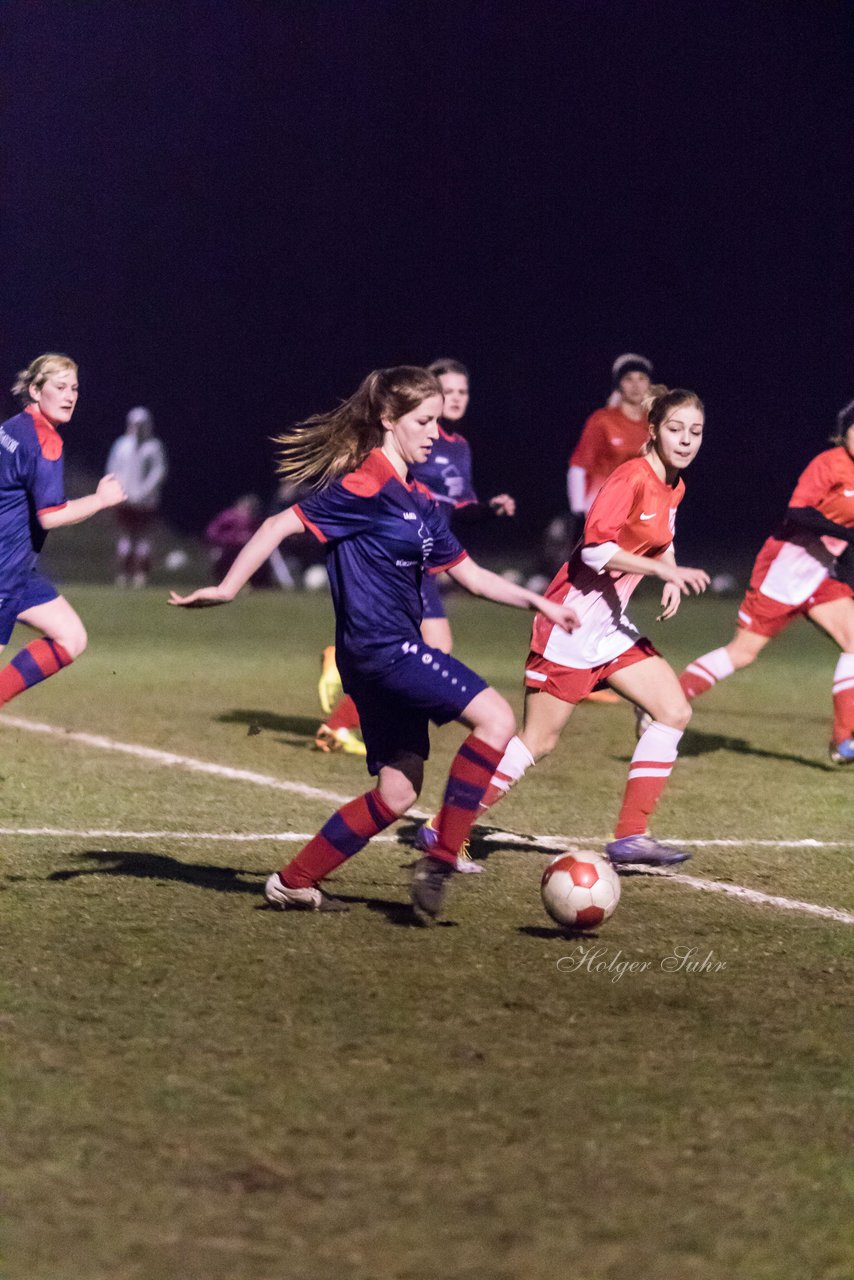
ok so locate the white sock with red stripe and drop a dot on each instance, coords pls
(651, 766)
(843, 698)
(516, 760)
(699, 675)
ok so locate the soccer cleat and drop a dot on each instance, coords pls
(281, 896)
(842, 752)
(427, 839)
(344, 740)
(642, 722)
(429, 883)
(644, 850)
(284, 898)
(329, 685)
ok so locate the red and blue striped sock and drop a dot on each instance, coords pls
(41, 659)
(471, 772)
(347, 831)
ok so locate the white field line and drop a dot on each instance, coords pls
(261, 779)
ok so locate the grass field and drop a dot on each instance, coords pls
(193, 1086)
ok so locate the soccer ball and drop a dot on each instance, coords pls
(315, 578)
(581, 889)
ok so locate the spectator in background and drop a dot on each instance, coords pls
(228, 533)
(138, 461)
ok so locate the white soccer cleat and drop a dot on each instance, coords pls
(279, 895)
(642, 722)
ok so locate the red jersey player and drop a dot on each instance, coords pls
(792, 578)
(611, 435)
(628, 534)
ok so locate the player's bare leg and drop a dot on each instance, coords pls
(63, 640)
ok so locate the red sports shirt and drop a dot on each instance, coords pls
(635, 512)
(609, 439)
(790, 569)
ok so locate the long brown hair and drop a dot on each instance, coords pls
(660, 403)
(328, 445)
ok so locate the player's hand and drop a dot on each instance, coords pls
(560, 614)
(686, 580)
(503, 505)
(671, 598)
(204, 598)
(110, 492)
(329, 687)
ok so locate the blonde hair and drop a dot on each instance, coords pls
(660, 402)
(37, 373)
(328, 445)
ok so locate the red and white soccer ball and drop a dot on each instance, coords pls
(580, 889)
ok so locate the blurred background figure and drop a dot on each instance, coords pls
(138, 461)
(611, 435)
(229, 532)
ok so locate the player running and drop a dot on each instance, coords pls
(792, 578)
(382, 531)
(32, 501)
(447, 473)
(628, 534)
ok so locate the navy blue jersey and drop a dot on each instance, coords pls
(382, 534)
(447, 472)
(31, 483)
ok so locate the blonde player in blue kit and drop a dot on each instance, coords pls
(382, 531)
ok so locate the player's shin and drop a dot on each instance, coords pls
(512, 766)
(346, 832)
(471, 772)
(843, 699)
(650, 768)
(40, 660)
(705, 672)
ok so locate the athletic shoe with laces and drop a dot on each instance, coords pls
(427, 839)
(344, 740)
(284, 898)
(644, 850)
(429, 883)
(329, 685)
(842, 752)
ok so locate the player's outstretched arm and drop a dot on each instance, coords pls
(482, 582)
(109, 493)
(664, 567)
(259, 547)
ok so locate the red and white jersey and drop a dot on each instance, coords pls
(609, 438)
(634, 511)
(791, 568)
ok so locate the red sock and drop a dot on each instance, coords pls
(471, 771)
(347, 831)
(843, 698)
(344, 714)
(41, 659)
(651, 766)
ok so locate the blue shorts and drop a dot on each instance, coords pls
(395, 708)
(25, 594)
(431, 597)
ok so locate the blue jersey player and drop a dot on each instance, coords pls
(447, 473)
(32, 501)
(382, 532)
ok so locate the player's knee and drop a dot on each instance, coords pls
(676, 714)
(500, 725)
(73, 639)
(741, 655)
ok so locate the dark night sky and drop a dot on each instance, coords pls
(231, 211)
